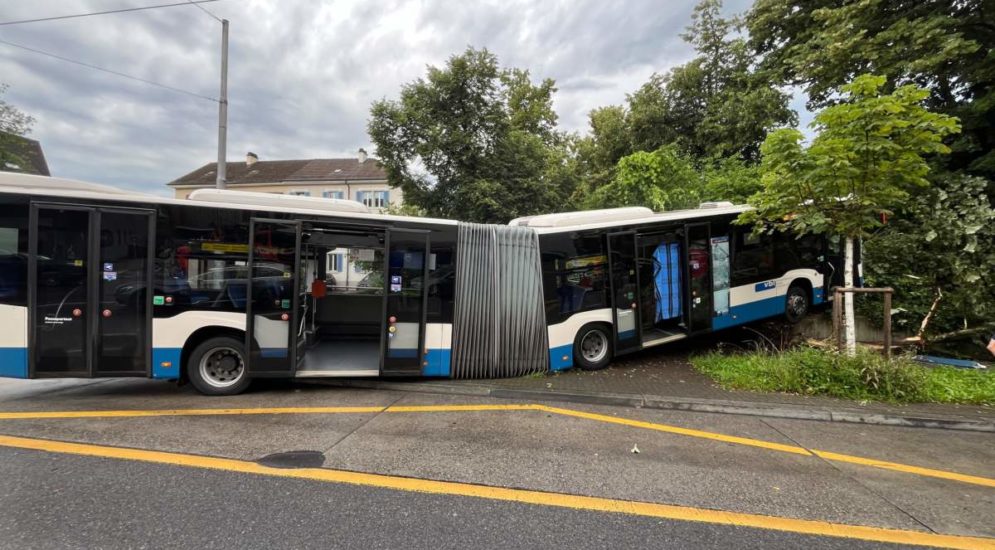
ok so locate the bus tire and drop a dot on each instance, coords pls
(796, 304)
(217, 366)
(592, 346)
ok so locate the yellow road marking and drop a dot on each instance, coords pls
(559, 500)
(676, 430)
(898, 467)
(713, 436)
(28, 415)
(459, 408)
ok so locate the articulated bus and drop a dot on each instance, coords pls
(228, 286)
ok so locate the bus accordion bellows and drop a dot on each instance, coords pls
(231, 286)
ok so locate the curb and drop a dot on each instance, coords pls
(672, 404)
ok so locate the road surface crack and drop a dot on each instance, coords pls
(851, 477)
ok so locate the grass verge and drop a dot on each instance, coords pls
(867, 376)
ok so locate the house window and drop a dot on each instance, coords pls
(374, 199)
(338, 264)
(300, 192)
(332, 194)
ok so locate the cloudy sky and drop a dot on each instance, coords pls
(302, 73)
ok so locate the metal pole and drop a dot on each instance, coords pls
(223, 109)
(887, 324)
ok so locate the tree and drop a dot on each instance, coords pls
(943, 45)
(731, 179)
(713, 107)
(866, 158)
(13, 125)
(474, 141)
(939, 256)
(661, 180)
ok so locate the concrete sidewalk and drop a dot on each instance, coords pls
(658, 379)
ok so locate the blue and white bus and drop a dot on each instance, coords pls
(228, 286)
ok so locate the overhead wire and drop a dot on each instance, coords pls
(107, 12)
(203, 9)
(109, 71)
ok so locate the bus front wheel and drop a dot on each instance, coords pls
(592, 347)
(217, 367)
(796, 304)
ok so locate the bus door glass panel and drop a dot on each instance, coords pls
(624, 290)
(62, 318)
(123, 270)
(406, 270)
(720, 275)
(699, 278)
(273, 317)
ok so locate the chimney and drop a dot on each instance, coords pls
(250, 159)
(362, 155)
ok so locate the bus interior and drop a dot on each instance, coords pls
(343, 303)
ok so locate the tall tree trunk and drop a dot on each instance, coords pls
(849, 323)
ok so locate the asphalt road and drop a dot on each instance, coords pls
(58, 501)
(695, 463)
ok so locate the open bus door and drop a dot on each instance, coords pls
(89, 291)
(274, 320)
(624, 279)
(405, 303)
(699, 270)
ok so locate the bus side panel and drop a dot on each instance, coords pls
(438, 342)
(755, 301)
(13, 341)
(170, 334)
(562, 335)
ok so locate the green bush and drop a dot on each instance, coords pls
(866, 376)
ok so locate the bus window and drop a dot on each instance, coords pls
(13, 255)
(753, 258)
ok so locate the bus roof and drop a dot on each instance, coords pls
(62, 188)
(615, 217)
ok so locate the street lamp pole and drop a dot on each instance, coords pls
(223, 109)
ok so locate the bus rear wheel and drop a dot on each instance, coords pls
(217, 367)
(592, 347)
(796, 304)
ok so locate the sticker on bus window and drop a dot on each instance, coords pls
(110, 275)
(158, 300)
(78, 263)
(285, 303)
(108, 266)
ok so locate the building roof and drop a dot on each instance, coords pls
(28, 151)
(287, 171)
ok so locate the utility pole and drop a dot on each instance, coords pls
(223, 109)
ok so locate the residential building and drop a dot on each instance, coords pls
(361, 179)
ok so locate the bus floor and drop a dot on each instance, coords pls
(658, 335)
(342, 358)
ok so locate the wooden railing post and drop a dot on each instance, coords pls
(840, 294)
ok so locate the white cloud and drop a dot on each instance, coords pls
(302, 74)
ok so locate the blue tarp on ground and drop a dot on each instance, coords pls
(667, 281)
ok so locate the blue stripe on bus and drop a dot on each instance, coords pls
(818, 296)
(752, 311)
(561, 357)
(438, 363)
(166, 363)
(14, 362)
(402, 353)
(627, 334)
